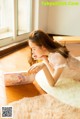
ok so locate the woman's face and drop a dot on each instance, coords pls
(37, 51)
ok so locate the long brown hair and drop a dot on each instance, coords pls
(41, 38)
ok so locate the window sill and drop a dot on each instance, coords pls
(6, 50)
(67, 39)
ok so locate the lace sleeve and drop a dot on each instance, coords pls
(57, 60)
(60, 66)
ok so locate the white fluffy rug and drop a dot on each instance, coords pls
(63, 104)
(43, 107)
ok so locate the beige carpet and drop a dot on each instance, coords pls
(43, 107)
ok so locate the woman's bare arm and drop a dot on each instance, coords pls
(52, 74)
(36, 67)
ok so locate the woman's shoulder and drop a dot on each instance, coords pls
(57, 59)
(56, 56)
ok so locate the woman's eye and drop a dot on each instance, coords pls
(33, 49)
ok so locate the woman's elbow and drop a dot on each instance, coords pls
(52, 83)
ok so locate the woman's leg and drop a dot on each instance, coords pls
(22, 77)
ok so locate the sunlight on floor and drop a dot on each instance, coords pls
(2, 90)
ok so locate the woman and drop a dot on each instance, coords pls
(54, 55)
(55, 58)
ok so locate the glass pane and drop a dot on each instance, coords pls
(6, 16)
(24, 16)
(0, 16)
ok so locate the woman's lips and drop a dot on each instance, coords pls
(35, 55)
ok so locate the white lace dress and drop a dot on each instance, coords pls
(66, 89)
(71, 65)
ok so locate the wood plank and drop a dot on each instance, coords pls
(14, 93)
(18, 61)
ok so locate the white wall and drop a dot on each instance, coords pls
(63, 20)
(43, 17)
(40, 16)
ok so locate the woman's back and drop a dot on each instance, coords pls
(71, 65)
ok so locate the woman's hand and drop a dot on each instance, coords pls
(35, 68)
(44, 58)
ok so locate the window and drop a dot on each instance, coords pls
(24, 20)
(15, 20)
(6, 20)
(0, 16)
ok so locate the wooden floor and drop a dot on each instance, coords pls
(14, 93)
(18, 61)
